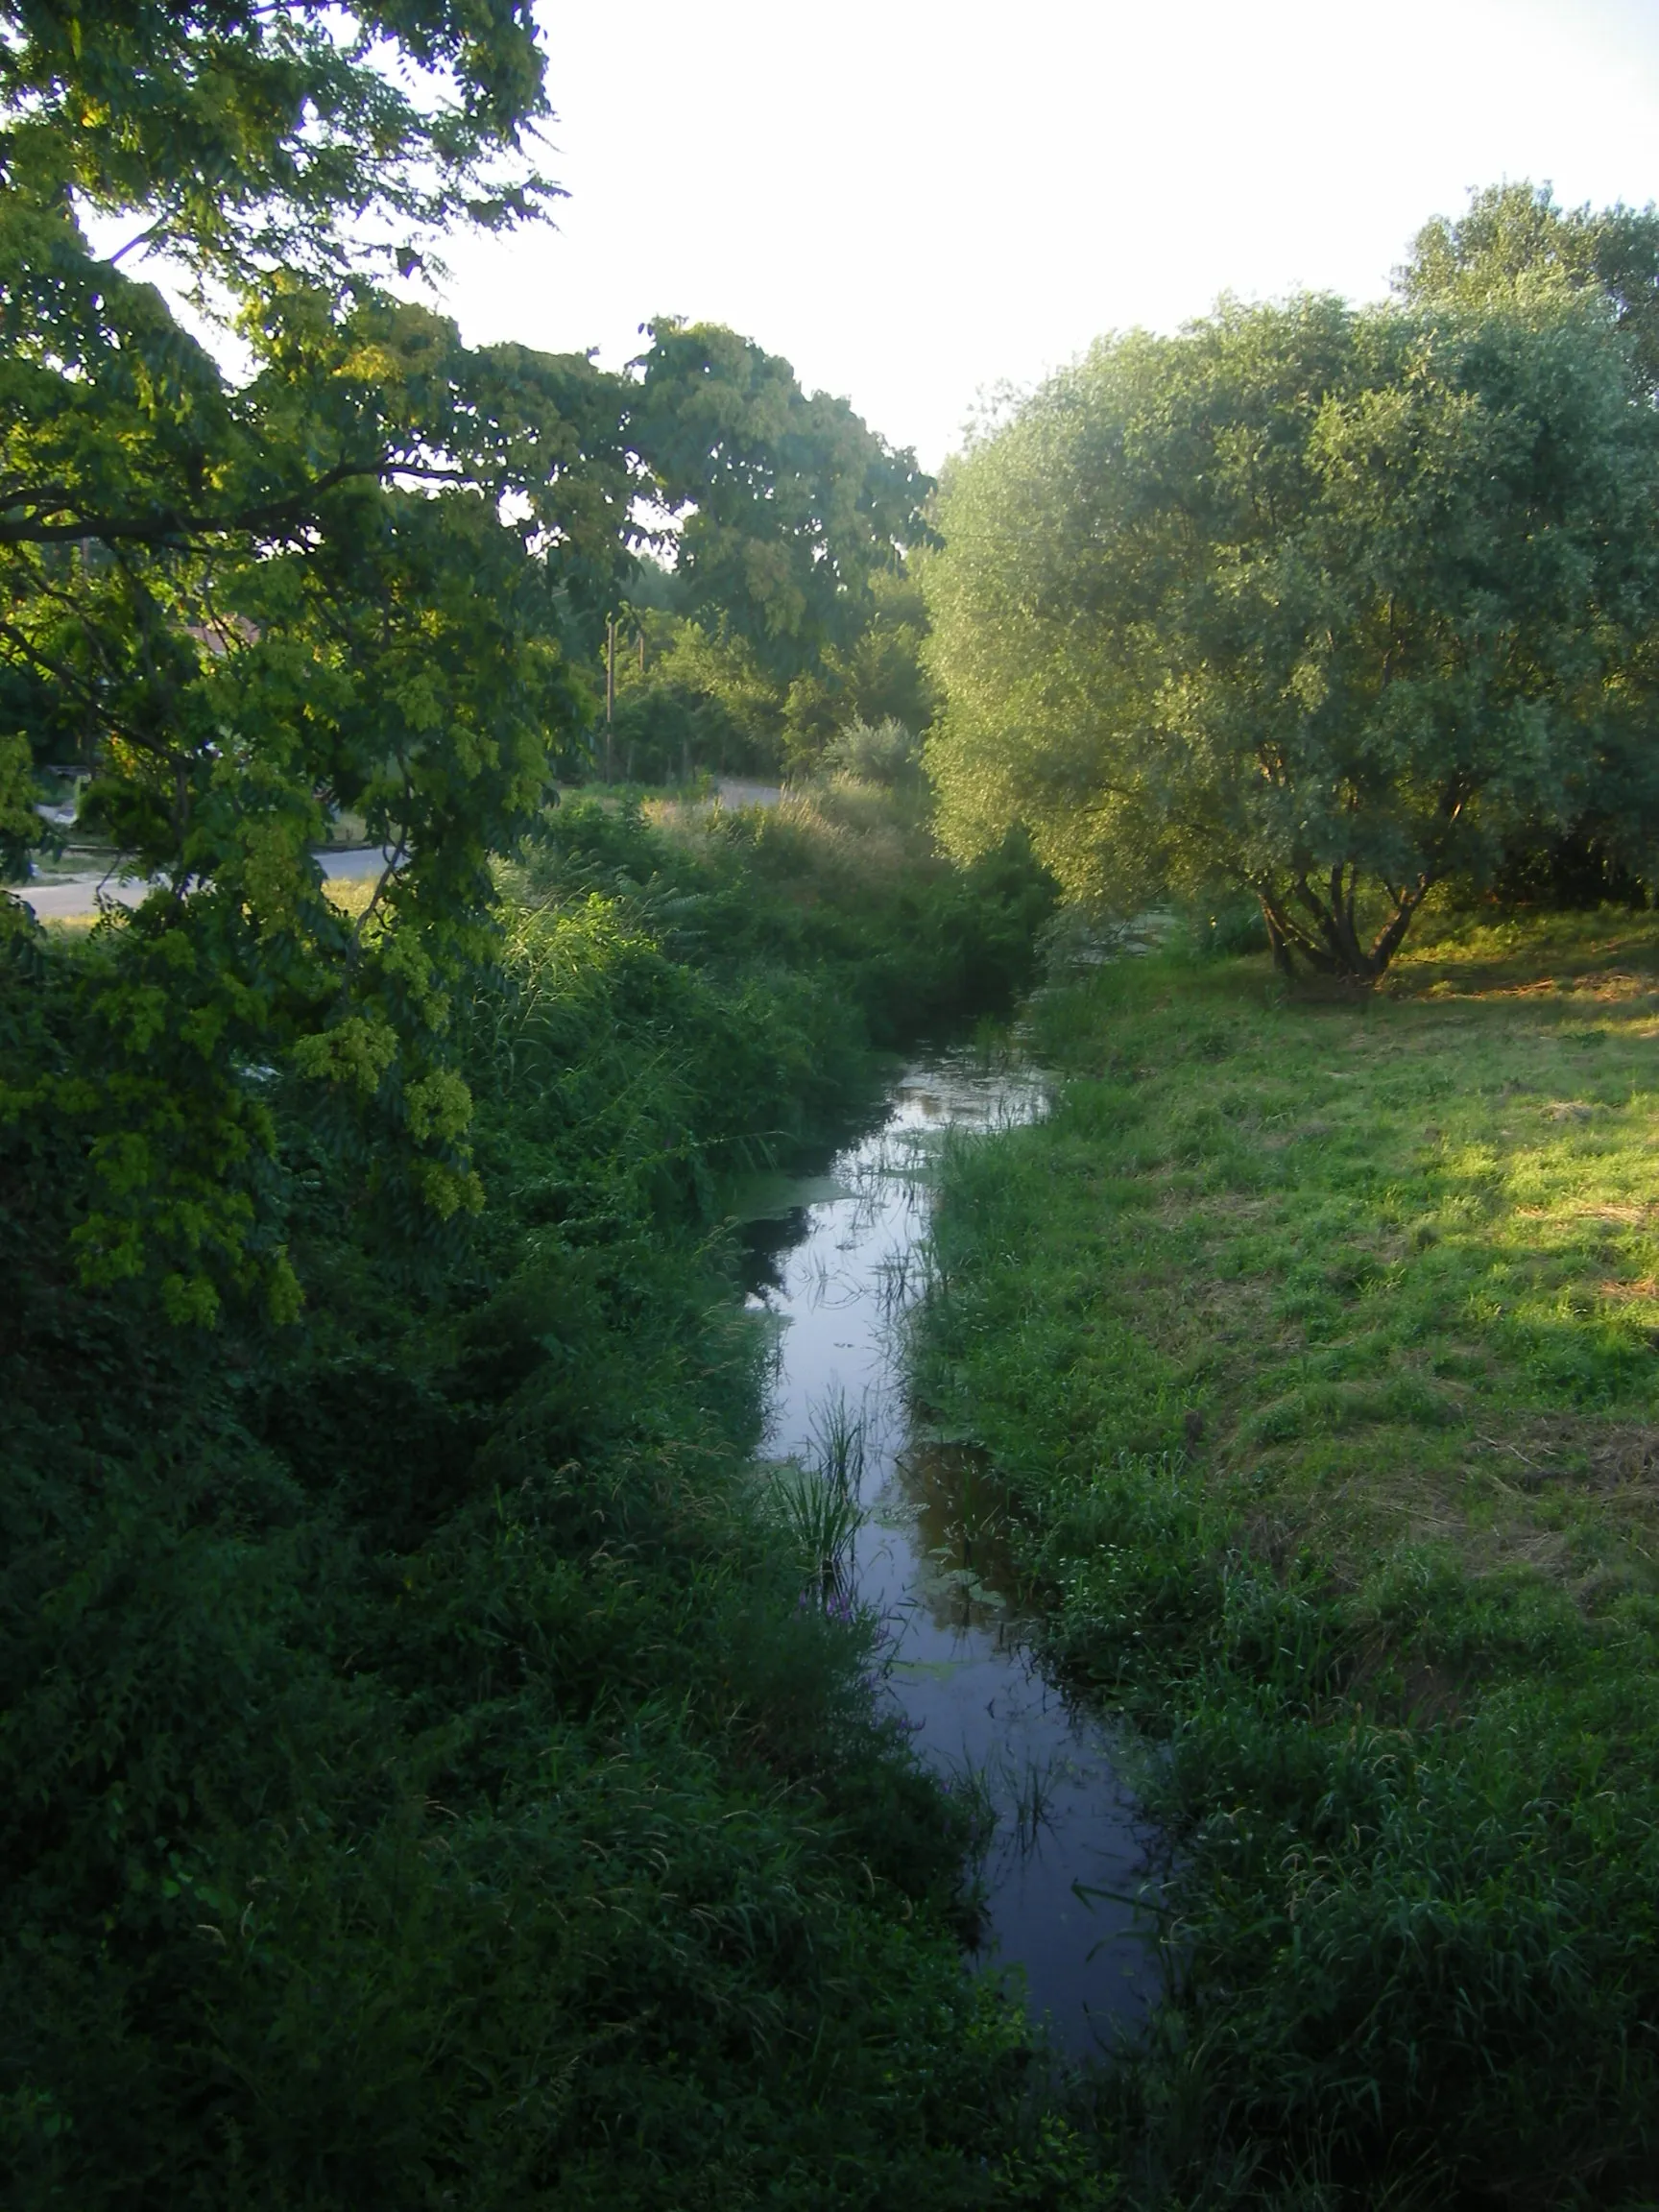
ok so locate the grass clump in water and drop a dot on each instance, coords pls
(819, 1501)
(1315, 1342)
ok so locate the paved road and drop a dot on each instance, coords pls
(72, 897)
(738, 791)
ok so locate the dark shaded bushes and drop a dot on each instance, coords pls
(420, 1784)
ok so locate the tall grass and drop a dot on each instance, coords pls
(421, 1785)
(818, 1499)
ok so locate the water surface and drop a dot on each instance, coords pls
(838, 1258)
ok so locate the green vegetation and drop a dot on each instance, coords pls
(1322, 605)
(1315, 1343)
(425, 1781)
(430, 1775)
(1514, 239)
(692, 691)
(438, 1766)
(371, 573)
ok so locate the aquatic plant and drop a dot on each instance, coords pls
(822, 1525)
(818, 1497)
(839, 1441)
(1033, 1787)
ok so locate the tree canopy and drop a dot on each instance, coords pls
(293, 134)
(335, 582)
(1514, 247)
(1311, 601)
(368, 574)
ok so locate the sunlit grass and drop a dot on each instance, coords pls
(1317, 1341)
(351, 893)
(1378, 1249)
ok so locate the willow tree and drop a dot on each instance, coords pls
(1514, 243)
(1318, 603)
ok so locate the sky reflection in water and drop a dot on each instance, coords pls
(838, 1257)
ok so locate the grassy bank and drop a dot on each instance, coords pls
(1317, 1344)
(422, 1782)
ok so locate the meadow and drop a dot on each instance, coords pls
(1314, 1339)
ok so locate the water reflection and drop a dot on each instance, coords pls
(838, 1257)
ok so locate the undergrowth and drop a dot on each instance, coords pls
(423, 1784)
(1316, 1345)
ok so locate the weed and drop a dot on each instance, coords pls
(839, 1438)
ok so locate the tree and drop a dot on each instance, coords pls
(791, 504)
(370, 573)
(1315, 602)
(296, 135)
(339, 580)
(788, 612)
(877, 678)
(1514, 247)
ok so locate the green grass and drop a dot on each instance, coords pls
(1317, 1344)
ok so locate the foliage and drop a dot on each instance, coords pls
(841, 880)
(1515, 248)
(420, 1783)
(1322, 604)
(817, 1501)
(794, 504)
(883, 752)
(695, 697)
(697, 691)
(663, 732)
(1315, 1344)
(1514, 243)
(877, 678)
(370, 575)
(242, 136)
(338, 583)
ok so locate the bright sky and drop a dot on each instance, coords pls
(914, 202)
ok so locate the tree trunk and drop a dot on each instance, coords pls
(1318, 926)
(1281, 951)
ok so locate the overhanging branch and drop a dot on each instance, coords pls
(168, 523)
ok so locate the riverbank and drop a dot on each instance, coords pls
(1315, 1346)
(423, 1783)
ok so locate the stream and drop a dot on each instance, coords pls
(836, 1259)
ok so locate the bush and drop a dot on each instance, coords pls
(885, 753)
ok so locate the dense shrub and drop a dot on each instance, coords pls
(419, 1783)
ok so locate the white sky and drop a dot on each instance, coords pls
(913, 201)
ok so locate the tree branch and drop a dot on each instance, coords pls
(169, 523)
(85, 692)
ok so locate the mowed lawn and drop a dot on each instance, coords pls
(1386, 1271)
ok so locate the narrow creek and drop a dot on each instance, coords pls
(837, 1258)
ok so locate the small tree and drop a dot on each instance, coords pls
(1316, 602)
